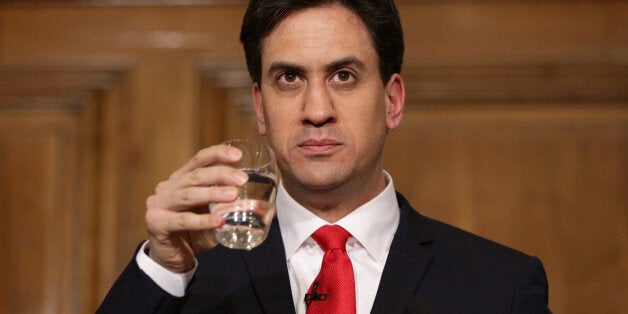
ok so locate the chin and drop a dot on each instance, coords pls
(314, 180)
(320, 182)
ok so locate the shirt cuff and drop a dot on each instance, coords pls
(173, 283)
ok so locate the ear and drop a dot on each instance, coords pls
(259, 110)
(396, 98)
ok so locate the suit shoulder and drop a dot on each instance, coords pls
(479, 273)
(442, 237)
(471, 246)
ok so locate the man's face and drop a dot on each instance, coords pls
(321, 100)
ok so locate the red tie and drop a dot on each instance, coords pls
(333, 290)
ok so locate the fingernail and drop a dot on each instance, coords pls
(231, 193)
(217, 220)
(241, 177)
(234, 153)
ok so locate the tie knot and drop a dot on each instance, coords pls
(331, 237)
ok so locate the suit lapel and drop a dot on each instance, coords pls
(269, 273)
(407, 262)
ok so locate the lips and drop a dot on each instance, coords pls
(319, 145)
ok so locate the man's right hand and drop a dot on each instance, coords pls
(177, 215)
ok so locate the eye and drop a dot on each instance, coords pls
(288, 80)
(289, 77)
(344, 78)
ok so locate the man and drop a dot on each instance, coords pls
(326, 91)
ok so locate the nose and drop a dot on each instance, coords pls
(318, 107)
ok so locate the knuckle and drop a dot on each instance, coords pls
(183, 195)
(152, 201)
(197, 158)
(182, 222)
(195, 177)
(152, 219)
(201, 155)
(161, 186)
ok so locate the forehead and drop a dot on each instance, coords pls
(318, 34)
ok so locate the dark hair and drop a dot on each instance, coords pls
(380, 17)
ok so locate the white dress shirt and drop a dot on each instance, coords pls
(372, 227)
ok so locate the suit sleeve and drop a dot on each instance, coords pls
(531, 296)
(136, 292)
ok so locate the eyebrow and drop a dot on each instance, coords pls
(293, 67)
(351, 60)
(283, 66)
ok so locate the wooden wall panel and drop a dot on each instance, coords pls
(103, 35)
(514, 32)
(52, 128)
(43, 212)
(512, 106)
(228, 103)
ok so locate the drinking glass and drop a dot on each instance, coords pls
(248, 218)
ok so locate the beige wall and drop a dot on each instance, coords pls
(516, 128)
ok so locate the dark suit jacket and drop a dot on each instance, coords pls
(431, 268)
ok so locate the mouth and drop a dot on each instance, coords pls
(318, 147)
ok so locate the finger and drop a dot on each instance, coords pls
(205, 176)
(209, 156)
(187, 198)
(168, 222)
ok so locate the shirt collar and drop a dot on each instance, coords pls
(373, 225)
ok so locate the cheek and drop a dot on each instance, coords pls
(278, 122)
(368, 117)
(369, 126)
(365, 132)
(279, 129)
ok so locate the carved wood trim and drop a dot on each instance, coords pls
(514, 84)
(91, 101)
